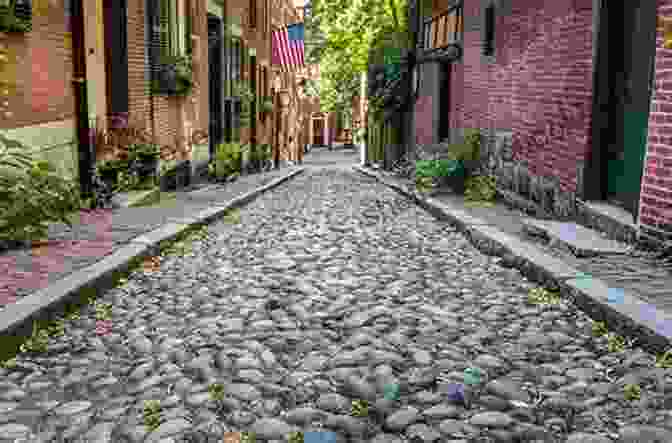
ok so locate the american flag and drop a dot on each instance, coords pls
(288, 47)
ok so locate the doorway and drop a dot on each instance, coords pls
(318, 132)
(623, 85)
(215, 82)
(444, 101)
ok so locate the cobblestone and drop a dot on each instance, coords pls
(331, 289)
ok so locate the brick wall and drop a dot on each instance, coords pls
(168, 119)
(37, 72)
(655, 208)
(538, 85)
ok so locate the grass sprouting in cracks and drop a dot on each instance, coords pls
(599, 329)
(216, 391)
(151, 414)
(632, 392)
(664, 360)
(232, 216)
(541, 296)
(360, 408)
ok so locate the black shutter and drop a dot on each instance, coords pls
(489, 31)
(153, 38)
(117, 53)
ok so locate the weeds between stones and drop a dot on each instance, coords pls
(151, 414)
(54, 325)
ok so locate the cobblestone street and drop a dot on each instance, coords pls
(333, 289)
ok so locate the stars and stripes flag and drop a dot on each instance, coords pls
(288, 47)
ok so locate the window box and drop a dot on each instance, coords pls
(174, 76)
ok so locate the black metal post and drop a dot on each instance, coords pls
(84, 145)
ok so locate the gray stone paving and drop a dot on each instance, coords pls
(332, 289)
(637, 271)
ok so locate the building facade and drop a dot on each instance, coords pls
(567, 125)
(116, 59)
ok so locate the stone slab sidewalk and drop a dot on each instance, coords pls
(105, 241)
(626, 291)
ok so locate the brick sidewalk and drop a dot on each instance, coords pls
(99, 233)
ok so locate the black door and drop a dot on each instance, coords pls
(632, 46)
(444, 101)
(215, 80)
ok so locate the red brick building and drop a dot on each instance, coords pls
(123, 45)
(568, 124)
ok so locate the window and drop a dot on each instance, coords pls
(253, 13)
(23, 10)
(170, 29)
(489, 31)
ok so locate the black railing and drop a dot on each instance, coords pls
(443, 30)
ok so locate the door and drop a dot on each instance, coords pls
(215, 82)
(444, 101)
(632, 53)
(318, 132)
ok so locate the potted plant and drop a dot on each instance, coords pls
(9, 21)
(175, 76)
(147, 156)
(109, 171)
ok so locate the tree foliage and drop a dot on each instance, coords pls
(347, 31)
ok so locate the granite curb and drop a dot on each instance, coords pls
(623, 312)
(16, 319)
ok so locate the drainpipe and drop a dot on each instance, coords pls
(84, 145)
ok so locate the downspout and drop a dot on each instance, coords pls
(84, 145)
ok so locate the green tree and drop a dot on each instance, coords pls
(349, 31)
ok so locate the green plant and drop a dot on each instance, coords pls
(295, 437)
(615, 343)
(538, 296)
(9, 22)
(360, 408)
(151, 414)
(480, 189)
(423, 184)
(8, 364)
(232, 216)
(632, 392)
(32, 194)
(216, 391)
(228, 159)
(103, 310)
(182, 67)
(56, 328)
(38, 340)
(144, 151)
(248, 437)
(664, 360)
(599, 329)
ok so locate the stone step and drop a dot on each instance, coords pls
(581, 241)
